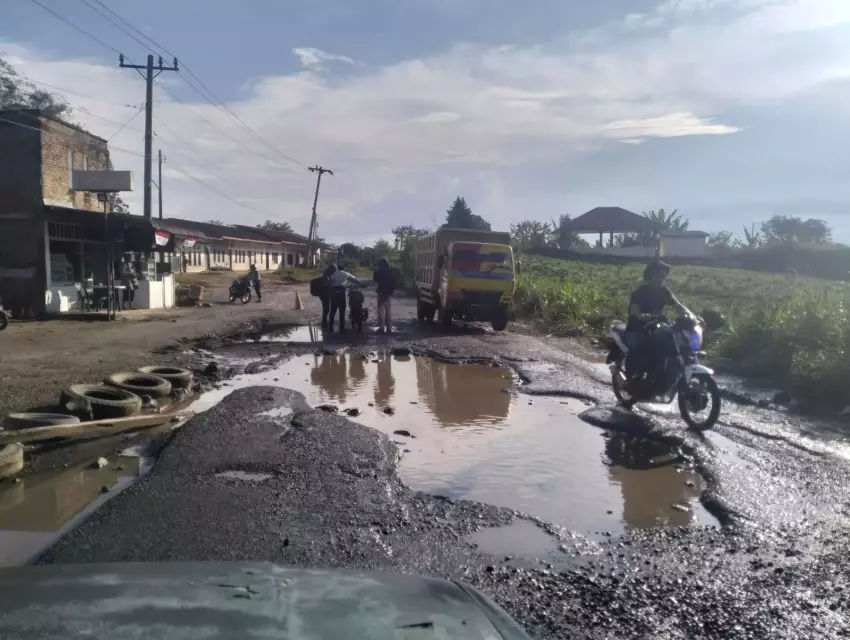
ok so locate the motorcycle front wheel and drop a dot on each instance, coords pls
(695, 398)
(618, 383)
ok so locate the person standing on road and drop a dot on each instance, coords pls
(385, 279)
(254, 278)
(325, 297)
(130, 280)
(338, 283)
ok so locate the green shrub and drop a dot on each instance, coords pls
(567, 307)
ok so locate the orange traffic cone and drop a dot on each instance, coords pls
(298, 305)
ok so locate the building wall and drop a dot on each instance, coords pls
(22, 229)
(684, 247)
(64, 148)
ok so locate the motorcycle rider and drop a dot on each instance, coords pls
(254, 278)
(338, 285)
(646, 303)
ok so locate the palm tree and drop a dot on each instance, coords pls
(752, 238)
(673, 221)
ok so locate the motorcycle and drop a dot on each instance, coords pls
(4, 317)
(680, 375)
(240, 289)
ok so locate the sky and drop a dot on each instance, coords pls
(728, 110)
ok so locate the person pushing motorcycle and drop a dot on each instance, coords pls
(647, 303)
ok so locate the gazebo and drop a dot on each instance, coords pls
(608, 220)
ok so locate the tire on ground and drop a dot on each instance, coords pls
(28, 420)
(179, 378)
(142, 384)
(105, 401)
(11, 460)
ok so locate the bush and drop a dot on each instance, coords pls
(567, 307)
(801, 341)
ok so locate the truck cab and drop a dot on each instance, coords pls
(472, 279)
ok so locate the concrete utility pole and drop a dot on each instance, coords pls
(311, 239)
(159, 184)
(149, 76)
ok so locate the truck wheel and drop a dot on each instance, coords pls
(500, 320)
(421, 311)
(444, 317)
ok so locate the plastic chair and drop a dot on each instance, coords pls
(84, 297)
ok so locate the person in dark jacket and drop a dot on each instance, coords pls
(385, 279)
(326, 293)
(254, 278)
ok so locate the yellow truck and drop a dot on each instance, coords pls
(465, 274)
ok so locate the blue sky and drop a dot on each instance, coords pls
(729, 110)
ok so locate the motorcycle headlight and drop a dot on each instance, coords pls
(696, 338)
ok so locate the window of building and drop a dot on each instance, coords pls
(85, 163)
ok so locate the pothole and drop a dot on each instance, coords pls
(473, 436)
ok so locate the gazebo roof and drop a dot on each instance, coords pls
(610, 219)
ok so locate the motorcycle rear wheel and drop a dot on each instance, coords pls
(246, 297)
(706, 386)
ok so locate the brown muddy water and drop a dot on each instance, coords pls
(473, 436)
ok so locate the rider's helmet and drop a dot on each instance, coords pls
(656, 269)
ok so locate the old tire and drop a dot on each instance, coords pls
(11, 460)
(28, 420)
(105, 401)
(179, 378)
(142, 384)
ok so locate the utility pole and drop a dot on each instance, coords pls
(311, 239)
(149, 76)
(159, 184)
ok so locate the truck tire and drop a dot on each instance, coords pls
(500, 319)
(179, 378)
(106, 402)
(420, 310)
(444, 317)
(11, 460)
(142, 384)
(27, 420)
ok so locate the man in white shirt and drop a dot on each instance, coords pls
(339, 283)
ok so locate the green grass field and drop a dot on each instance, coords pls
(792, 330)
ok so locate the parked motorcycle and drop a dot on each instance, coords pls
(4, 316)
(240, 289)
(680, 374)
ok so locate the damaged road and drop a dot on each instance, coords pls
(262, 476)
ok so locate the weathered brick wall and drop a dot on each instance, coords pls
(89, 153)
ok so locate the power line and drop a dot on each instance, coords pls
(123, 126)
(71, 24)
(216, 191)
(74, 93)
(89, 113)
(204, 91)
(112, 22)
(219, 129)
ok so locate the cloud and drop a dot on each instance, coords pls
(413, 132)
(315, 59)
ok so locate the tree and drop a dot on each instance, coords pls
(382, 247)
(272, 225)
(673, 221)
(404, 233)
(16, 93)
(216, 222)
(721, 242)
(531, 234)
(560, 232)
(460, 216)
(788, 229)
(752, 239)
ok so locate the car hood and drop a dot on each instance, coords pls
(241, 600)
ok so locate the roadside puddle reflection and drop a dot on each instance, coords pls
(465, 432)
(38, 508)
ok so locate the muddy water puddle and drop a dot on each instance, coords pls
(465, 432)
(302, 333)
(40, 507)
